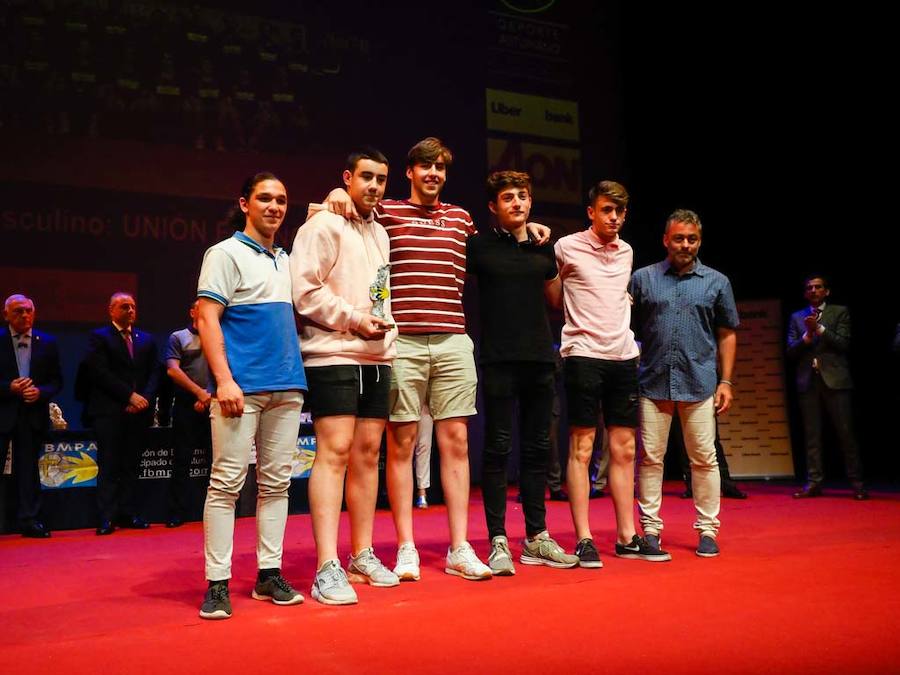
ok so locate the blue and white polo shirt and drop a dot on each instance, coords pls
(254, 285)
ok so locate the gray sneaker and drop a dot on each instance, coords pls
(331, 586)
(500, 559)
(367, 568)
(217, 603)
(543, 550)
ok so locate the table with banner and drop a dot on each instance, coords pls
(68, 471)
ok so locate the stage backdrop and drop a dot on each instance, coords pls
(755, 431)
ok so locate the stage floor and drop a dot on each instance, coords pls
(800, 587)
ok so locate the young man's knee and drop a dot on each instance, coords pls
(367, 457)
(581, 445)
(334, 457)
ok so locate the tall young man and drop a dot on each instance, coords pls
(601, 358)
(340, 289)
(247, 330)
(518, 362)
(686, 318)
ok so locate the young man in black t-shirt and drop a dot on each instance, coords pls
(517, 361)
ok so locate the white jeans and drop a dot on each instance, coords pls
(698, 423)
(273, 419)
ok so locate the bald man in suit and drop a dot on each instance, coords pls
(29, 377)
(818, 343)
(122, 367)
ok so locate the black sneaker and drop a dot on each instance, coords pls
(708, 547)
(217, 603)
(587, 554)
(641, 549)
(278, 590)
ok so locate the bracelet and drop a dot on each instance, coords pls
(728, 382)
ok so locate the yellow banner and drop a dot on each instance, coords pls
(532, 115)
(555, 172)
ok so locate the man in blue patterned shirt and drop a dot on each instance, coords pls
(685, 317)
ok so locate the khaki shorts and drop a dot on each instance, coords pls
(437, 369)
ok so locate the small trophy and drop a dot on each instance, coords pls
(379, 291)
(57, 421)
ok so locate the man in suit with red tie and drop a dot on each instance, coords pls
(818, 342)
(29, 377)
(123, 372)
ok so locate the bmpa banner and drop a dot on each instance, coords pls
(68, 464)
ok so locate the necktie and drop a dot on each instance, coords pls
(128, 342)
(23, 356)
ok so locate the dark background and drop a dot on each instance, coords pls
(756, 118)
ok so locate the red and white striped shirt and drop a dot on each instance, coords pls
(428, 264)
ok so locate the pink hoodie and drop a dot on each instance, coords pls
(333, 263)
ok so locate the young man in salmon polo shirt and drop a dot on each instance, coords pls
(339, 269)
(435, 362)
(601, 368)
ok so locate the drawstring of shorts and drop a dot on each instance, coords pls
(377, 377)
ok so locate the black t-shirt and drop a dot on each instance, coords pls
(511, 277)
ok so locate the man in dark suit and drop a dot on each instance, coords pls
(123, 372)
(818, 342)
(29, 377)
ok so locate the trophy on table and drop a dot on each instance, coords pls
(57, 421)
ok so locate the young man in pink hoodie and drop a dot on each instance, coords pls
(339, 271)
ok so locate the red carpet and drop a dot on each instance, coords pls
(800, 587)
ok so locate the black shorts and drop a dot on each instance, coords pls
(592, 383)
(362, 391)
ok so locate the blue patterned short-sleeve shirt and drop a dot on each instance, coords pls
(676, 319)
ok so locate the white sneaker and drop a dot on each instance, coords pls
(407, 567)
(367, 568)
(463, 562)
(331, 586)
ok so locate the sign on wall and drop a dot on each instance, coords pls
(532, 115)
(755, 432)
(555, 171)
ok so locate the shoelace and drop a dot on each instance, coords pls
(467, 554)
(220, 593)
(334, 575)
(500, 547)
(282, 584)
(406, 556)
(368, 561)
